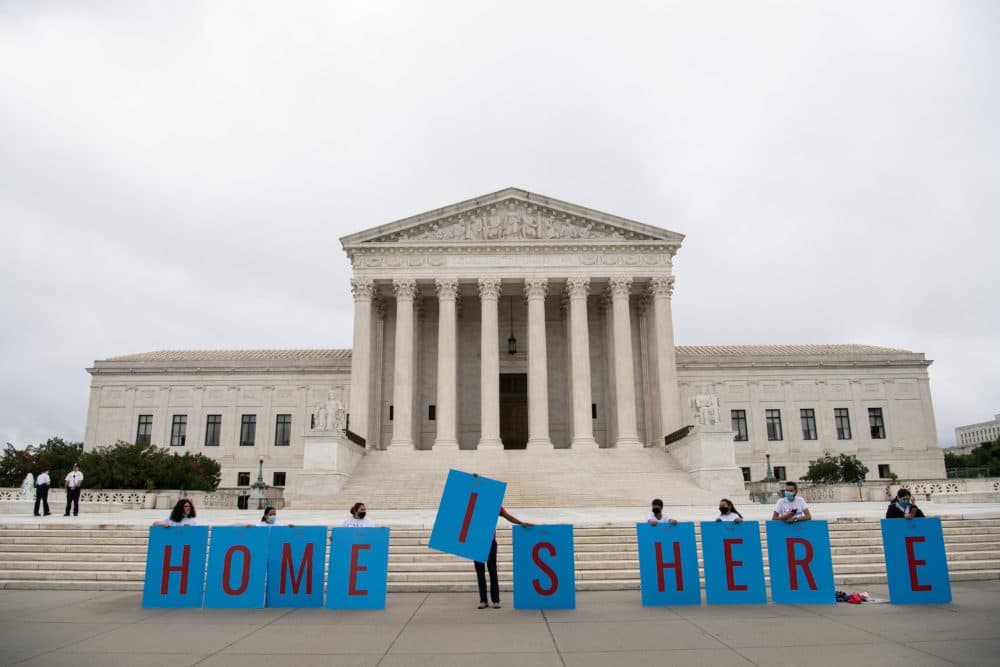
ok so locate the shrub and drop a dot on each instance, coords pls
(834, 469)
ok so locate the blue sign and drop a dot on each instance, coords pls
(734, 567)
(915, 561)
(295, 558)
(544, 571)
(668, 564)
(798, 555)
(359, 568)
(175, 566)
(467, 516)
(237, 567)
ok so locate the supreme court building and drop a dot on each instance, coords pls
(518, 322)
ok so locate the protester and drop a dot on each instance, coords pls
(728, 512)
(656, 514)
(183, 514)
(74, 482)
(42, 484)
(269, 519)
(791, 507)
(359, 517)
(902, 507)
(491, 564)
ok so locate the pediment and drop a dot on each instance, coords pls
(511, 216)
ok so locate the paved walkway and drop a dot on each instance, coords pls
(81, 629)
(581, 516)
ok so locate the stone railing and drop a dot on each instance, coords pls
(875, 490)
(158, 499)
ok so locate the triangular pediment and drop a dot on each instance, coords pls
(511, 216)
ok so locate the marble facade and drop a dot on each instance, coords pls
(587, 298)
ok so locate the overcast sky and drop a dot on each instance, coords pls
(176, 175)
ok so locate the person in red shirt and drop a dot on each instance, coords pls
(491, 564)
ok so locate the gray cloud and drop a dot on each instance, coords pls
(176, 175)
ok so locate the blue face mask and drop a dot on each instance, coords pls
(903, 504)
(789, 495)
(271, 518)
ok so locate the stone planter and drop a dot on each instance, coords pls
(165, 501)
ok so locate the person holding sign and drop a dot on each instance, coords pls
(902, 507)
(791, 507)
(656, 514)
(269, 519)
(359, 517)
(727, 511)
(491, 564)
(183, 514)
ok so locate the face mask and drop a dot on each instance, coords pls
(271, 518)
(789, 495)
(657, 511)
(723, 509)
(903, 504)
(362, 515)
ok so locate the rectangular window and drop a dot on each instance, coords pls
(773, 424)
(283, 431)
(242, 479)
(279, 479)
(876, 423)
(883, 471)
(779, 473)
(746, 474)
(593, 410)
(145, 430)
(739, 420)
(843, 420)
(248, 430)
(808, 416)
(431, 412)
(390, 413)
(178, 431)
(213, 427)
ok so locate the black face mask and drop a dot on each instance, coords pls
(361, 515)
(657, 511)
(724, 510)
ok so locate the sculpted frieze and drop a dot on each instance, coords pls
(513, 220)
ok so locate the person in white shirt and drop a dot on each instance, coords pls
(270, 519)
(359, 517)
(183, 514)
(42, 484)
(727, 511)
(791, 507)
(74, 481)
(656, 514)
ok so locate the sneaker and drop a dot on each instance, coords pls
(37, 514)
(483, 605)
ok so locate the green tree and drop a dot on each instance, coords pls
(986, 455)
(835, 469)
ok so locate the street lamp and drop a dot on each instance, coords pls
(257, 489)
(769, 477)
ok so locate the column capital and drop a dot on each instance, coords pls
(362, 288)
(619, 286)
(447, 288)
(661, 286)
(536, 288)
(578, 288)
(489, 288)
(404, 289)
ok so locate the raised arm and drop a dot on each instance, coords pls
(513, 519)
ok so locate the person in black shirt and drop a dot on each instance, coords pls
(902, 507)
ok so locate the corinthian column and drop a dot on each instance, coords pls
(402, 393)
(489, 386)
(535, 290)
(583, 427)
(361, 358)
(447, 291)
(660, 290)
(619, 288)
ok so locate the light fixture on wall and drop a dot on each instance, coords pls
(511, 342)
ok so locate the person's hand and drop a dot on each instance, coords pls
(527, 524)
(651, 522)
(673, 522)
(736, 520)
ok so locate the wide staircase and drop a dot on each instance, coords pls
(541, 477)
(113, 558)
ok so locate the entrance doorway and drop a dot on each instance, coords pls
(514, 410)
